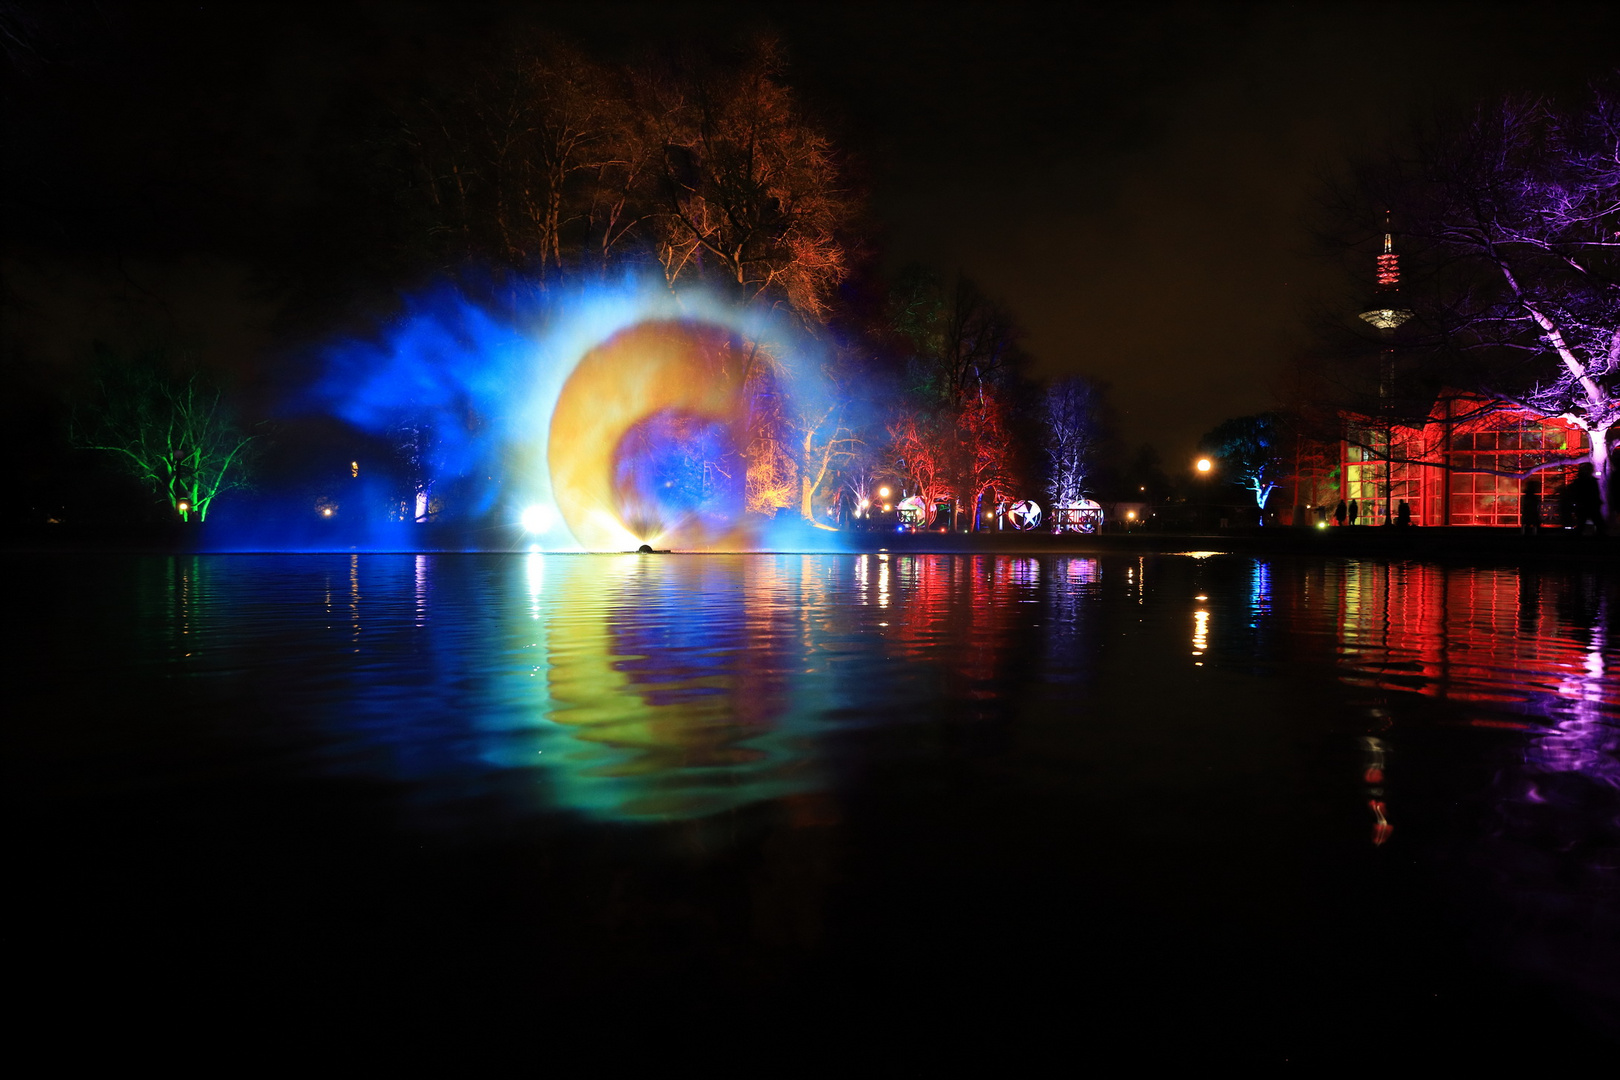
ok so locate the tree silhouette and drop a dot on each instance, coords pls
(1250, 454)
(173, 435)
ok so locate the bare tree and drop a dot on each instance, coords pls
(532, 163)
(961, 339)
(173, 435)
(1073, 437)
(919, 441)
(1512, 219)
(749, 191)
(1250, 454)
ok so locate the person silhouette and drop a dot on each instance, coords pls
(1338, 513)
(1586, 499)
(1355, 511)
(1530, 507)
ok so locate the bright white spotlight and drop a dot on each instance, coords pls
(537, 519)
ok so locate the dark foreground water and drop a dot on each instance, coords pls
(777, 809)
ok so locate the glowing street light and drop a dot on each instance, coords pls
(1204, 464)
(883, 493)
(326, 511)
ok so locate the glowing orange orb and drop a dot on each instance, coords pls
(693, 372)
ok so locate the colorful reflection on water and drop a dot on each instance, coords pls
(659, 687)
(1227, 717)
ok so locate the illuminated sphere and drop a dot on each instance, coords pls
(1024, 515)
(1204, 464)
(913, 511)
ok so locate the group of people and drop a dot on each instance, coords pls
(1349, 513)
(1580, 501)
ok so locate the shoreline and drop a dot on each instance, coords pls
(1454, 543)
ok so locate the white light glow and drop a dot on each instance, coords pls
(538, 519)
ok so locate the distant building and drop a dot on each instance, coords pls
(1470, 463)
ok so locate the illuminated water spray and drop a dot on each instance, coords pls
(647, 439)
(600, 420)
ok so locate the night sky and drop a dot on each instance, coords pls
(1135, 182)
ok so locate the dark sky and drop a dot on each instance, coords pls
(1134, 181)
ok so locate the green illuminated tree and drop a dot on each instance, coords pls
(174, 435)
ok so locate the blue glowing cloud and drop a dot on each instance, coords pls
(478, 393)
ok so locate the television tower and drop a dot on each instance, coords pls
(1387, 312)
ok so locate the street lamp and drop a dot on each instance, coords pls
(1204, 465)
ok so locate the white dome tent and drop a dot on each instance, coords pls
(1085, 516)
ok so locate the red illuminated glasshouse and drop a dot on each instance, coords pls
(1472, 461)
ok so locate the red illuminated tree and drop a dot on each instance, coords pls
(986, 434)
(749, 192)
(544, 160)
(920, 446)
(964, 362)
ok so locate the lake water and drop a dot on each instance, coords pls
(1200, 805)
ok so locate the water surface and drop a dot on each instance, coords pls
(1199, 804)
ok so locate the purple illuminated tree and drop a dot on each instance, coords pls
(1072, 416)
(1510, 217)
